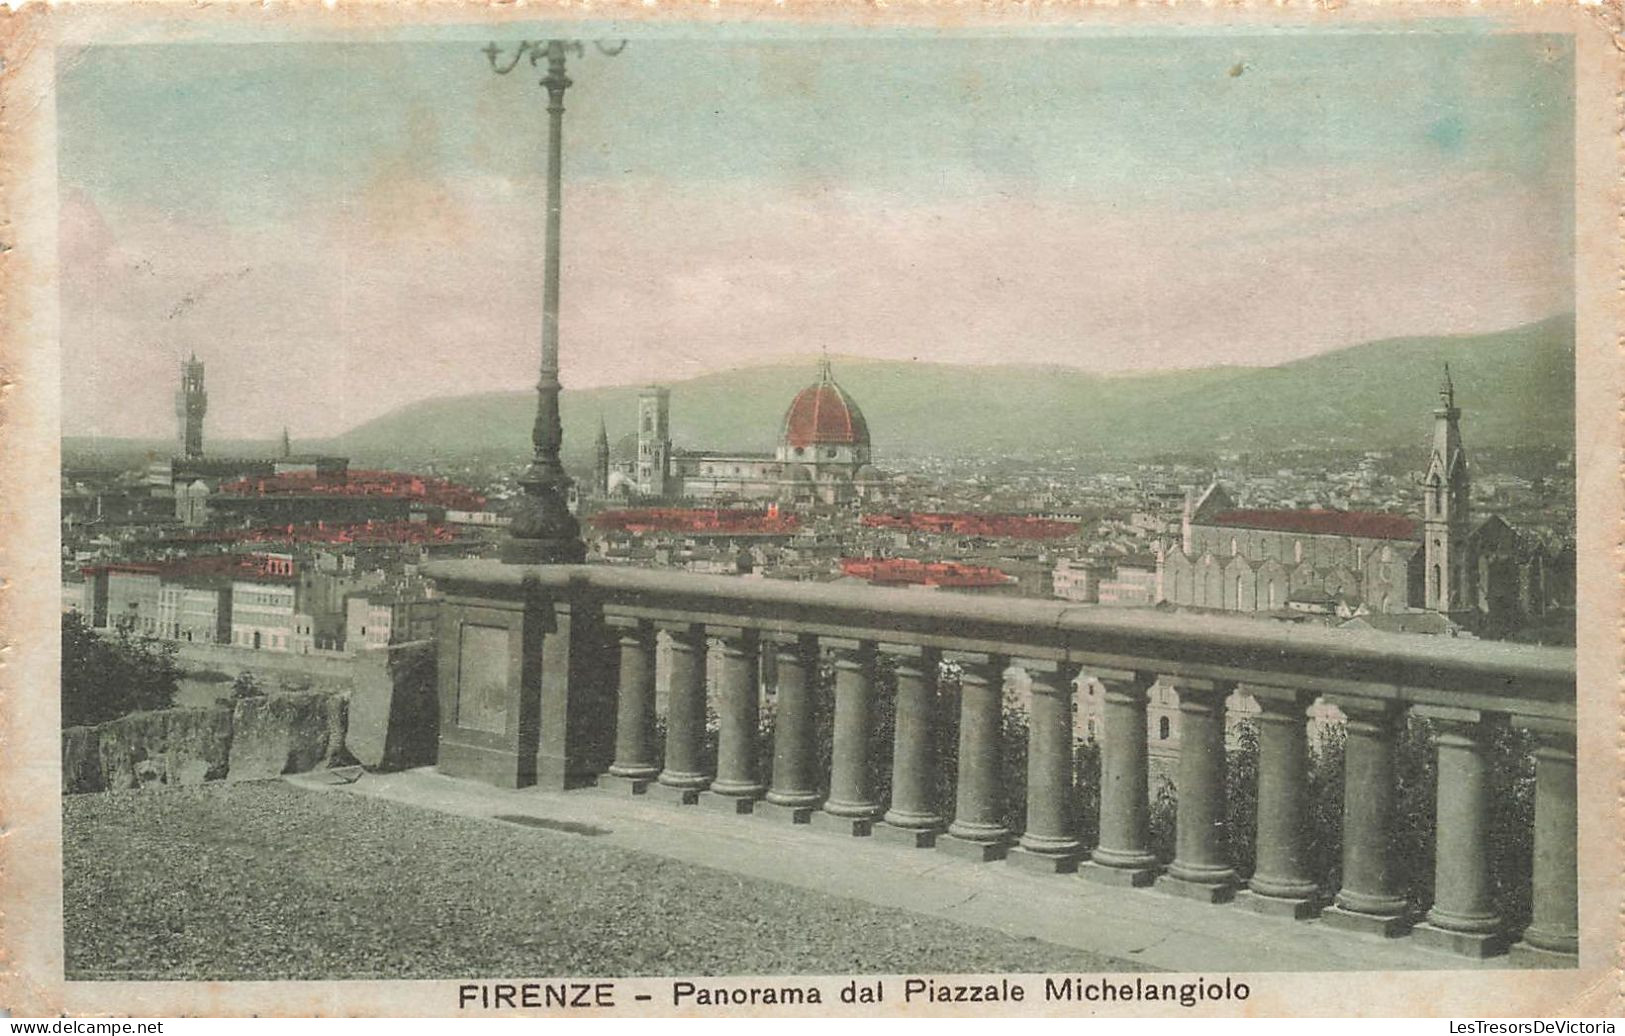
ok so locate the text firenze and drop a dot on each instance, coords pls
(513, 996)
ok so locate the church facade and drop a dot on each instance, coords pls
(823, 456)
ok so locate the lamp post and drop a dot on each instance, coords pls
(544, 531)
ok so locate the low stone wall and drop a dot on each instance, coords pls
(379, 708)
(274, 734)
(257, 737)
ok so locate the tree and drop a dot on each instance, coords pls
(246, 686)
(104, 678)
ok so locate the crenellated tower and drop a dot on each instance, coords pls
(191, 402)
(1445, 510)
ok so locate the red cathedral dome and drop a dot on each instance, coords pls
(823, 414)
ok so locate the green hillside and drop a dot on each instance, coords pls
(1516, 387)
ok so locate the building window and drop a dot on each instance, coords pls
(1162, 729)
(1235, 546)
(1297, 550)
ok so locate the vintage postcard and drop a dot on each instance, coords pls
(721, 510)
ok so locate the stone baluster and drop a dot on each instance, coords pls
(977, 831)
(1281, 882)
(1050, 843)
(794, 793)
(1463, 918)
(1553, 936)
(1201, 868)
(633, 766)
(684, 776)
(851, 805)
(737, 784)
(913, 817)
(1370, 899)
(1123, 853)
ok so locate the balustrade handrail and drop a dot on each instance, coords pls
(1526, 680)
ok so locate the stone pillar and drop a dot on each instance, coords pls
(1553, 935)
(574, 741)
(794, 793)
(634, 704)
(1463, 918)
(913, 818)
(1050, 843)
(1281, 882)
(978, 830)
(684, 776)
(738, 783)
(489, 681)
(1123, 855)
(1370, 900)
(851, 805)
(1201, 868)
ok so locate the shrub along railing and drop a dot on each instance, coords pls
(548, 674)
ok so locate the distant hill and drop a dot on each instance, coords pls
(1516, 387)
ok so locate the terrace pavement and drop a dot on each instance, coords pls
(1151, 928)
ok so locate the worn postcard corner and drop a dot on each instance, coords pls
(809, 510)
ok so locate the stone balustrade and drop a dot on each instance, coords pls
(577, 686)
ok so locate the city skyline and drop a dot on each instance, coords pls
(1295, 194)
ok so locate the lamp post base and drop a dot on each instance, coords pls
(544, 532)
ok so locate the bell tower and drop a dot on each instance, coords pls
(600, 468)
(1445, 509)
(191, 402)
(654, 441)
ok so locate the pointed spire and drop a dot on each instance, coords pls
(1447, 390)
(603, 432)
(287, 443)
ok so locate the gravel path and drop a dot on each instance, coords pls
(266, 881)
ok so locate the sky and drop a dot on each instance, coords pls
(338, 229)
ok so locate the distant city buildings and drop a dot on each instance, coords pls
(192, 479)
(327, 544)
(259, 602)
(1333, 539)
